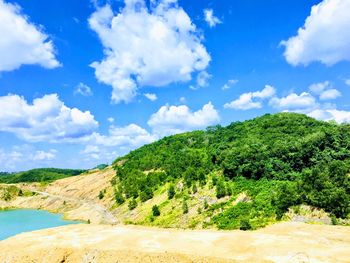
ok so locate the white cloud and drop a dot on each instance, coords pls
(22, 42)
(42, 155)
(251, 100)
(294, 101)
(118, 141)
(46, 119)
(324, 90)
(83, 89)
(210, 18)
(130, 136)
(182, 100)
(330, 94)
(151, 96)
(347, 82)
(145, 46)
(326, 113)
(203, 79)
(110, 119)
(306, 103)
(325, 36)
(24, 157)
(318, 88)
(176, 119)
(229, 84)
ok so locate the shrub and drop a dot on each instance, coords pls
(132, 204)
(184, 207)
(245, 225)
(155, 211)
(119, 198)
(171, 191)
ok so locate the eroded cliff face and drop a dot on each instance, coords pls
(75, 197)
(283, 242)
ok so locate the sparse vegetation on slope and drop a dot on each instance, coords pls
(276, 161)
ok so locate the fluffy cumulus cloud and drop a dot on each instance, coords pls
(251, 100)
(325, 36)
(313, 103)
(118, 141)
(176, 119)
(130, 136)
(22, 42)
(329, 114)
(146, 46)
(210, 18)
(46, 119)
(83, 89)
(294, 101)
(325, 91)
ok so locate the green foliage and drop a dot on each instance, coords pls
(39, 175)
(245, 224)
(279, 160)
(101, 195)
(220, 189)
(155, 211)
(146, 194)
(101, 166)
(171, 191)
(119, 198)
(184, 207)
(132, 204)
(205, 205)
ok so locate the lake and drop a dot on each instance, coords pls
(13, 222)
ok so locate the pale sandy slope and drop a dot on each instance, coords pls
(284, 242)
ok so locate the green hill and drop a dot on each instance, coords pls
(38, 175)
(256, 169)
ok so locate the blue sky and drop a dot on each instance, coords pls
(82, 82)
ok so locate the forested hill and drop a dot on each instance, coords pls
(279, 161)
(38, 175)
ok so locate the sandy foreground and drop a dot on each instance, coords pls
(284, 242)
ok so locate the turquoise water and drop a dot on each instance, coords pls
(13, 222)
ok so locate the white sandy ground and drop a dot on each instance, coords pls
(284, 242)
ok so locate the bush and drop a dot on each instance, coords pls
(155, 211)
(184, 207)
(171, 191)
(101, 195)
(119, 198)
(220, 189)
(132, 204)
(146, 194)
(245, 225)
